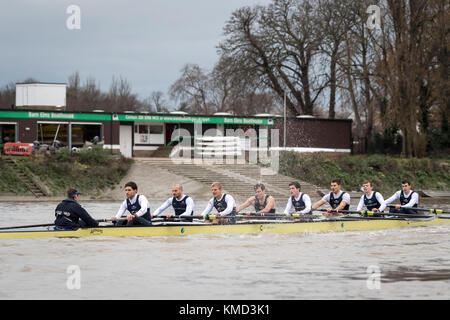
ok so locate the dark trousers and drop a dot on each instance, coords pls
(144, 220)
(139, 221)
(64, 223)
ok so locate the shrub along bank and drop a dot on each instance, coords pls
(89, 170)
(386, 172)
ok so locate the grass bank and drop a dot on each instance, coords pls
(386, 172)
(90, 171)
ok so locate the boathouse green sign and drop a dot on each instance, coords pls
(192, 119)
(68, 116)
(55, 115)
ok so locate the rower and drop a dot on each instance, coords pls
(300, 201)
(183, 205)
(262, 202)
(338, 199)
(137, 206)
(70, 215)
(408, 199)
(372, 200)
(224, 204)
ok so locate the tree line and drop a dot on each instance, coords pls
(322, 55)
(318, 57)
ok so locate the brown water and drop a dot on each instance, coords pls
(413, 263)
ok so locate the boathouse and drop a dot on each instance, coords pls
(41, 117)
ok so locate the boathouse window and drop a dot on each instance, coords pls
(142, 129)
(156, 129)
(7, 132)
(145, 133)
(83, 134)
(49, 132)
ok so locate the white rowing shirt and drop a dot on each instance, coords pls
(379, 198)
(345, 197)
(168, 203)
(306, 200)
(414, 199)
(231, 204)
(142, 201)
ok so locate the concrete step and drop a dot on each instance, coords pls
(237, 179)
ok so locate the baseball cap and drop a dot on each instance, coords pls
(72, 192)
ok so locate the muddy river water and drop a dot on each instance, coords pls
(402, 263)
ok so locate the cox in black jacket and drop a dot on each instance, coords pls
(71, 215)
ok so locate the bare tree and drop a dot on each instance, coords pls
(409, 63)
(279, 44)
(224, 84)
(8, 95)
(157, 102)
(235, 90)
(91, 96)
(73, 91)
(192, 88)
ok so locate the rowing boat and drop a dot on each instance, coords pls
(241, 227)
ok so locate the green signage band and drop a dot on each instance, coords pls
(192, 119)
(54, 115)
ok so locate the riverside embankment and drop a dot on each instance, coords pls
(101, 176)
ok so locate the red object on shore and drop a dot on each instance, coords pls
(18, 149)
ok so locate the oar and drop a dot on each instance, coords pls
(430, 210)
(276, 216)
(281, 216)
(293, 216)
(368, 213)
(49, 224)
(28, 226)
(307, 217)
(266, 216)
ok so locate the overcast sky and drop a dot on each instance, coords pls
(147, 42)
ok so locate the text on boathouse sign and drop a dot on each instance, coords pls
(52, 115)
(192, 119)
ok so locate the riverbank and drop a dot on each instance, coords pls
(92, 170)
(97, 174)
(385, 172)
(102, 176)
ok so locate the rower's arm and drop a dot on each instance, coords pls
(288, 207)
(163, 207)
(308, 206)
(144, 206)
(413, 201)
(245, 204)
(208, 207)
(345, 201)
(122, 209)
(381, 200)
(360, 204)
(341, 205)
(189, 207)
(393, 198)
(318, 204)
(86, 217)
(269, 206)
(230, 205)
